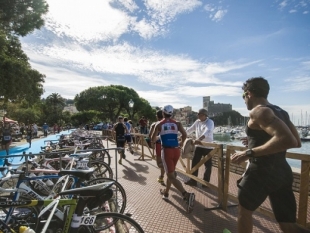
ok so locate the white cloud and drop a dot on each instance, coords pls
(219, 15)
(283, 4)
(297, 84)
(216, 13)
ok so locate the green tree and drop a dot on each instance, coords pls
(85, 117)
(53, 107)
(21, 17)
(111, 101)
(18, 80)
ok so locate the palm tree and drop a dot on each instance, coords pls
(56, 105)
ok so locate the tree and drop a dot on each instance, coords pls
(111, 101)
(85, 117)
(53, 107)
(21, 17)
(18, 80)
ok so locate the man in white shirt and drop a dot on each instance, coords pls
(203, 128)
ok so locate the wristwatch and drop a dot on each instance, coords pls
(249, 153)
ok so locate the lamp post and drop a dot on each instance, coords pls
(131, 103)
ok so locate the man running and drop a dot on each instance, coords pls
(120, 129)
(270, 133)
(160, 179)
(168, 129)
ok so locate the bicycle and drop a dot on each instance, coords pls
(77, 178)
(76, 220)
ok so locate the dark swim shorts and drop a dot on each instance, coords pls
(274, 179)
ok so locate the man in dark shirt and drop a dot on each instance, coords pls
(6, 133)
(120, 130)
(269, 134)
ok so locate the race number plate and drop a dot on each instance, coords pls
(88, 220)
(82, 164)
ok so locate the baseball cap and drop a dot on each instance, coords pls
(168, 109)
(120, 117)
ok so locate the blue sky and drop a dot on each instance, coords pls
(176, 51)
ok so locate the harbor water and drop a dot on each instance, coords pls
(227, 140)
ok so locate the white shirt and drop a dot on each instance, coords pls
(202, 128)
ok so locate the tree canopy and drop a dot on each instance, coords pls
(111, 101)
(18, 80)
(21, 17)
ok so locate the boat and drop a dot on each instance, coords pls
(305, 139)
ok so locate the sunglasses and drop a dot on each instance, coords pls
(244, 94)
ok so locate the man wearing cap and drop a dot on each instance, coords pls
(203, 128)
(120, 129)
(168, 129)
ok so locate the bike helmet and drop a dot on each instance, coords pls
(168, 109)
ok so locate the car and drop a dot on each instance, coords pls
(98, 126)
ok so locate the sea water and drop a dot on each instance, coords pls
(227, 140)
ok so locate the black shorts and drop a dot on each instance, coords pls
(128, 138)
(120, 141)
(273, 179)
(4, 142)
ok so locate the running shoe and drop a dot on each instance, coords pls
(165, 195)
(190, 201)
(161, 181)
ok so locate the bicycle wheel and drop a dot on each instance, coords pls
(115, 222)
(101, 155)
(119, 199)
(21, 216)
(101, 169)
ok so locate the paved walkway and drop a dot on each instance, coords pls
(156, 215)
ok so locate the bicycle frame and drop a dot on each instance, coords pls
(72, 203)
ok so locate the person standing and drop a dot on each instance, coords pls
(35, 130)
(270, 133)
(160, 179)
(128, 138)
(29, 133)
(203, 128)
(6, 133)
(45, 129)
(120, 129)
(143, 125)
(168, 129)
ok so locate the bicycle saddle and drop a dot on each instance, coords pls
(89, 191)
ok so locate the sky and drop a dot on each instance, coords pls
(177, 51)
